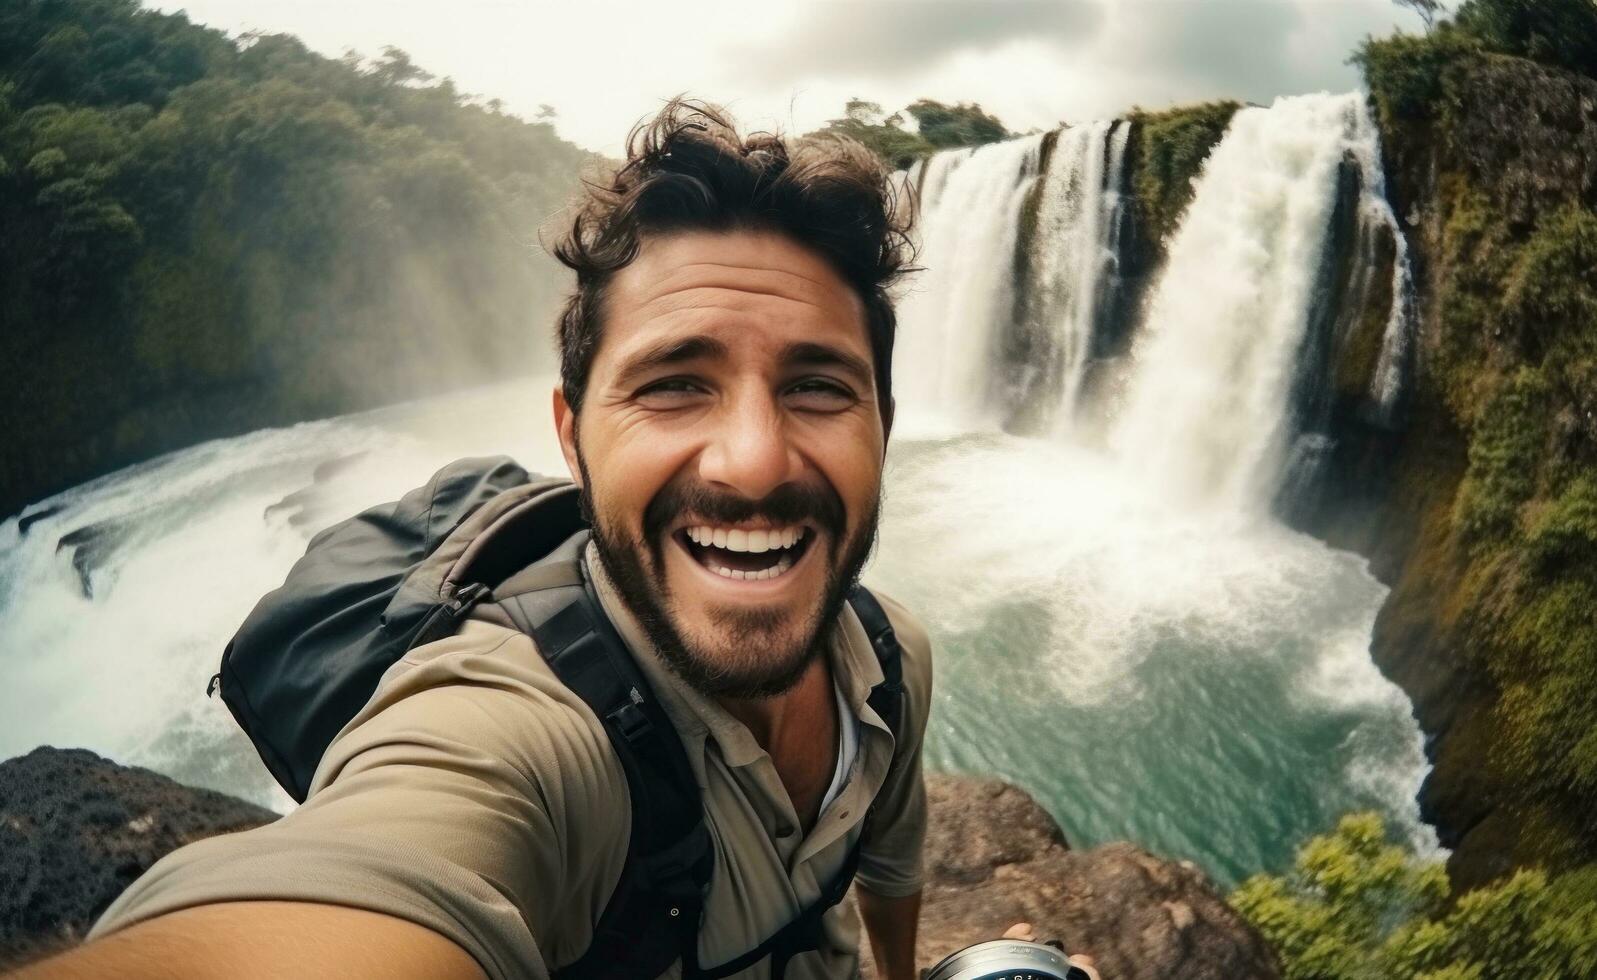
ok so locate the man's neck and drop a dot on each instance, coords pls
(798, 730)
(801, 708)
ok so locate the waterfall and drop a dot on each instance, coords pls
(1387, 383)
(1071, 272)
(1120, 625)
(1021, 242)
(1206, 414)
(970, 204)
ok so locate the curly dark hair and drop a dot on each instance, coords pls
(688, 169)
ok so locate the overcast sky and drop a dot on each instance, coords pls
(791, 65)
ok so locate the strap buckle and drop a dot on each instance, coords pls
(630, 720)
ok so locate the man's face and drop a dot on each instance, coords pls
(730, 449)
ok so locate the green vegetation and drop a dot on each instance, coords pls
(1165, 155)
(204, 235)
(1358, 907)
(1556, 32)
(938, 127)
(1511, 364)
(1406, 73)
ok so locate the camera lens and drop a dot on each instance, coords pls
(1006, 959)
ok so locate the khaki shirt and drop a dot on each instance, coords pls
(477, 796)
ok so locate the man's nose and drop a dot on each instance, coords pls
(749, 451)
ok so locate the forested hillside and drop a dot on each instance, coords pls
(202, 235)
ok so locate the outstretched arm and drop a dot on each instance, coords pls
(452, 822)
(891, 924)
(261, 940)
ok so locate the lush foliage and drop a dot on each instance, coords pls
(203, 235)
(1167, 152)
(1358, 907)
(1557, 32)
(1406, 72)
(937, 127)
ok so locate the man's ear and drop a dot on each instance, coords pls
(566, 430)
(887, 422)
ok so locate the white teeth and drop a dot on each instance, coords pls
(754, 542)
(782, 565)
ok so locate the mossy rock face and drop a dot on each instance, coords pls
(1482, 515)
(1165, 156)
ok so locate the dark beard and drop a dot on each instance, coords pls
(645, 595)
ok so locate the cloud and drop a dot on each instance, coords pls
(1217, 45)
(885, 38)
(792, 64)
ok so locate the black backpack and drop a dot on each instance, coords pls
(396, 576)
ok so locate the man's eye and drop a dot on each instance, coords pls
(821, 393)
(670, 388)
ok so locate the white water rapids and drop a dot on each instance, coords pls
(1122, 626)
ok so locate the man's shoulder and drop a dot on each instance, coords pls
(486, 688)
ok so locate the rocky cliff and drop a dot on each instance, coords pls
(1479, 509)
(76, 829)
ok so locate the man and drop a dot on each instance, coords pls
(725, 405)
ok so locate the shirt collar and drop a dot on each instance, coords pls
(697, 717)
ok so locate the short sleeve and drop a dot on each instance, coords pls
(470, 796)
(891, 852)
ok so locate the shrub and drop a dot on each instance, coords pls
(1357, 906)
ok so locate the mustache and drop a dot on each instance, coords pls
(790, 503)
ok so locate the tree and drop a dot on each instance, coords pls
(936, 127)
(1558, 32)
(396, 68)
(965, 124)
(1427, 9)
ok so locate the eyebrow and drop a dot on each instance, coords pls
(684, 349)
(668, 352)
(825, 355)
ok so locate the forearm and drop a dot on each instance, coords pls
(891, 924)
(249, 940)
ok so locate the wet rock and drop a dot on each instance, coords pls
(76, 829)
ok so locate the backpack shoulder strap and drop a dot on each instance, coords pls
(886, 698)
(653, 914)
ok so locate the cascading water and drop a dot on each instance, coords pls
(1207, 410)
(1071, 269)
(972, 209)
(1126, 629)
(1122, 630)
(1007, 327)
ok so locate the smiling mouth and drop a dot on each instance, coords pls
(746, 555)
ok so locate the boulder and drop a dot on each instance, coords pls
(994, 857)
(76, 829)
